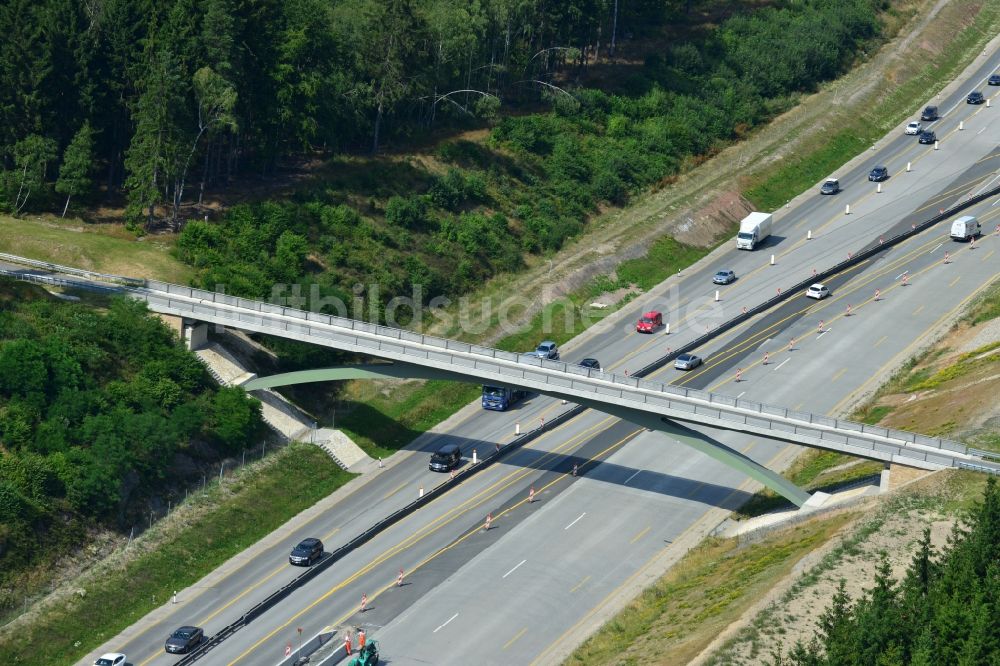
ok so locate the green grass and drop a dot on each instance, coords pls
(872, 415)
(710, 587)
(102, 248)
(251, 504)
(796, 173)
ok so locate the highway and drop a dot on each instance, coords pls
(545, 569)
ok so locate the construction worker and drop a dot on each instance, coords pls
(361, 639)
(347, 643)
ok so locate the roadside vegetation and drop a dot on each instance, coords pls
(197, 537)
(101, 413)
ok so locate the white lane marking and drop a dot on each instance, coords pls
(782, 363)
(825, 331)
(514, 569)
(980, 131)
(740, 395)
(935, 249)
(575, 521)
(631, 477)
(987, 185)
(446, 623)
(902, 274)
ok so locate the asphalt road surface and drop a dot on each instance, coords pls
(545, 569)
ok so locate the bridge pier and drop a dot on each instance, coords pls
(195, 334)
(896, 476)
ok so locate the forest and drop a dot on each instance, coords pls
(149, 105)
(943, 611)
(100, 412)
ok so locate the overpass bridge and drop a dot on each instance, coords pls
(651, 404)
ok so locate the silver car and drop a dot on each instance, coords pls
(547, 350)
(687, 362)
(724, 277)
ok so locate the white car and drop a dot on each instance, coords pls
(913, 128)
(111, 659)
(817, 291)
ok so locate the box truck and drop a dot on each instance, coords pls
(965, 228)
(754, 228)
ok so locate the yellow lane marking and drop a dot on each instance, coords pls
(988, 255)
(955, 281)
(640, 534)
(837, 375)
(881, 340)
(917, 311)
(327, 536)
(579, 585)
(514, 640)
(395, 490)
(694, 491)
(404, 545)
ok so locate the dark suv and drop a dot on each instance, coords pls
(975, 97)
(994, 80)
(446, 458)
(184, 639)
(927, 136)
(878, 174)
(308, 551)
(930, 113)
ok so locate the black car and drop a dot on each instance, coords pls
(308, 551)
(446, 458)
(184, 639)
(591, 363)
(927, 136)
(930, 113)
(878, 174)
(994, 80)
(975, 97)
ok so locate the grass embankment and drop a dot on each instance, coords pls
(862, 123)
(199, 536)
(101, 248)
(712, 586)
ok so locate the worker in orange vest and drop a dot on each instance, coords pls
(347, 643)
(361, 639)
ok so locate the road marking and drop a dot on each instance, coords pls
(514, 569)
(825, 331)
(917, 311)
(798, 407)
(696, 489)
(579, 585)
(881, 340)
(740, 395)
(446, 623)
(575, 521)
(838, 374)
(395, 490)
(990, 253)
(936, 247)
(955, 281)
(516, 636)
(640, 535)
(631, 477)
(781, 364)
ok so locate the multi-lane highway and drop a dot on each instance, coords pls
(545, 573)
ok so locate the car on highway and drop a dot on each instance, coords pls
(591, 363)
(817, 291)
(687, 362)
(547, 350)
(830, 186)
(111, 659)
(994, 80)
(446, 458)
(308, 551)
(649, 322)
(975, 97)
(927, 136)
(913, 128)
(929, 113)
(184, 639)
(878, 174)
(724, 277)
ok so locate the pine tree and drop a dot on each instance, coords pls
(74, 175)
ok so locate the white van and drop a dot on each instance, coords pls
(965, 228)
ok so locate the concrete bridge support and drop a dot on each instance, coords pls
(195, 334)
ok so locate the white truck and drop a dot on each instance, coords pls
(965, 228)
(754, 228)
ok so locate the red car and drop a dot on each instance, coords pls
(649, 322)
